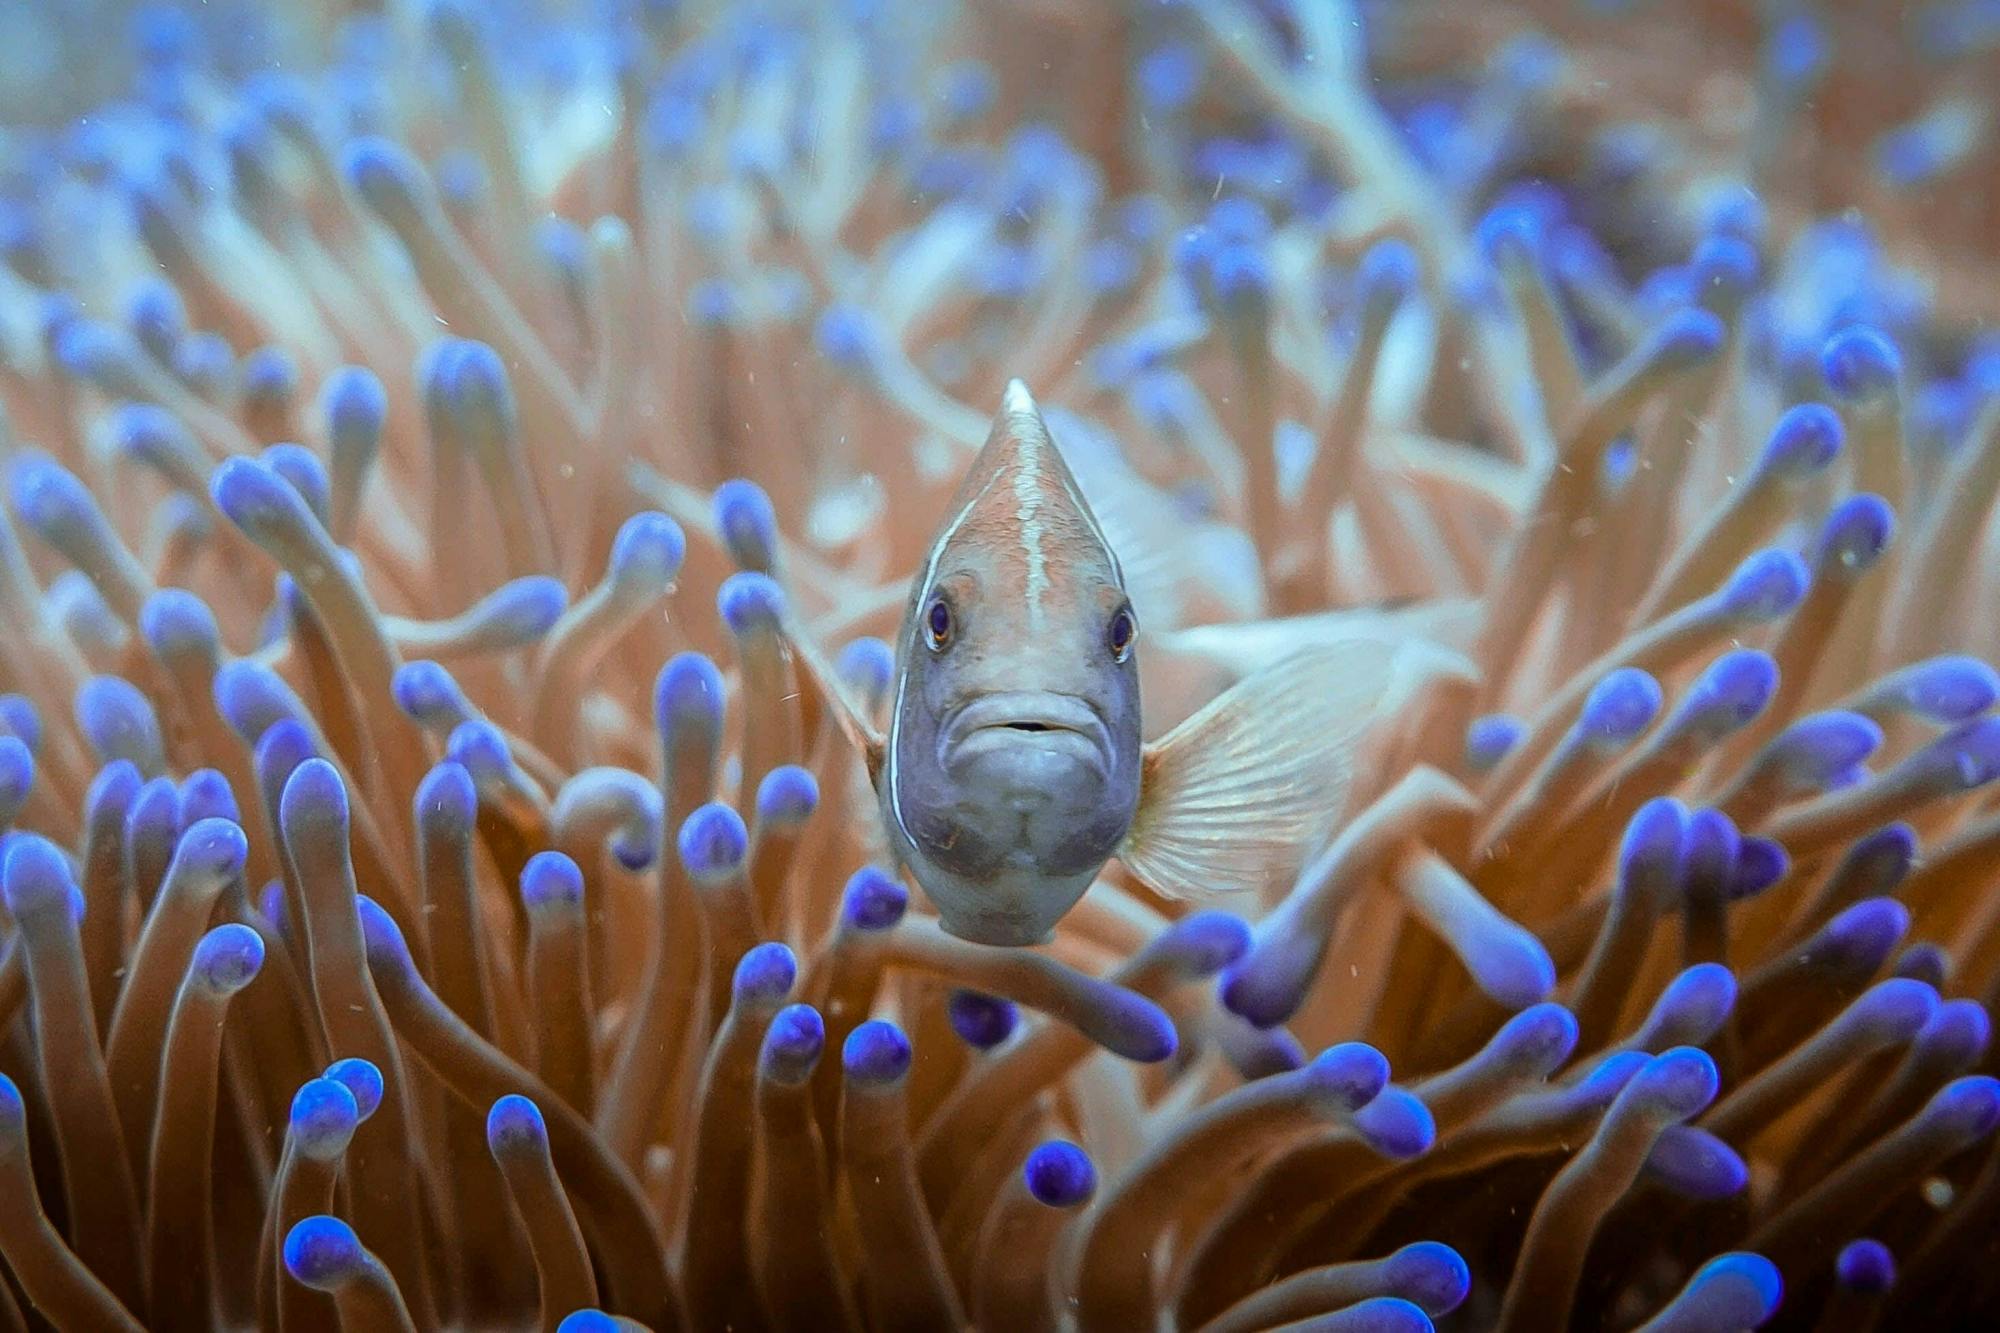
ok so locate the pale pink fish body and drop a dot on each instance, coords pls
(1013, 767)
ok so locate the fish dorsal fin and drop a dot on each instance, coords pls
(1020, 502)
(848, 713)
(1236, 797)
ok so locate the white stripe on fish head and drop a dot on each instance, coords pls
(1037, 462)
(1028, 513)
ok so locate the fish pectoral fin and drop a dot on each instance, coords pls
(848, 713)
(1238, 795)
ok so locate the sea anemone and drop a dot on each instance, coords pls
(438, 442)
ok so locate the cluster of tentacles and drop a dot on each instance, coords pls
(434, 897)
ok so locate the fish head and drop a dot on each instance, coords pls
(1013, 757)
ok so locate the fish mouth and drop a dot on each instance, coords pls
(1057, 721)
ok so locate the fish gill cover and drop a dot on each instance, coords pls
(462, 473)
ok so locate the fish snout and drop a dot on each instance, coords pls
(1016, 801)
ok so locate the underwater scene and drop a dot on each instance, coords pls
(1035, 666)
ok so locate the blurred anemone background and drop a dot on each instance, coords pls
(432, 897)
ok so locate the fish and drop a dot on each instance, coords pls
(1012, 769)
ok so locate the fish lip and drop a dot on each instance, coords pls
(1012, 708)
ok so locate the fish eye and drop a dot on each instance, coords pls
(1123, 630)
(937, 625)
